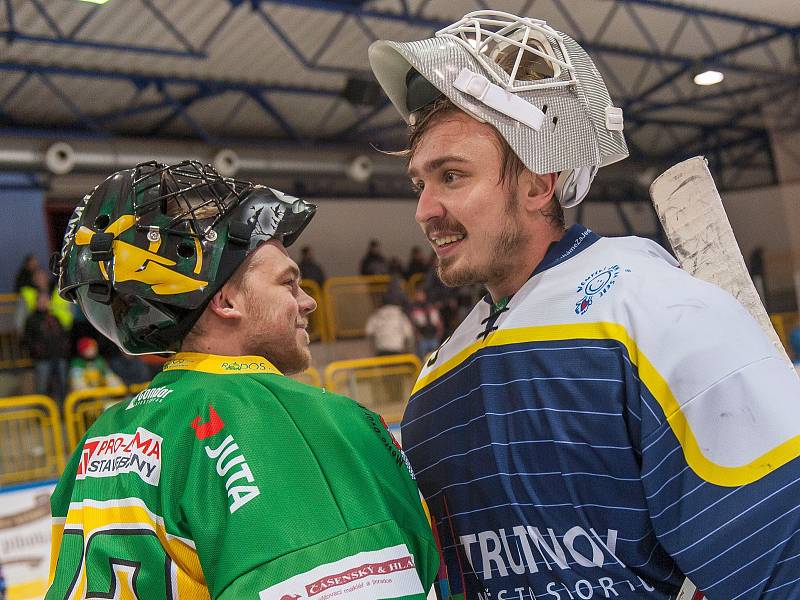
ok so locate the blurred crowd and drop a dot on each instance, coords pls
(419, 323)
(68, 354)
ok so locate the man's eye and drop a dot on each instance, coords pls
(417, 187)
(449, 176)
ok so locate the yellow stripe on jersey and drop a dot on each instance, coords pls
(93, 516)
(57, 533)
(705, 468)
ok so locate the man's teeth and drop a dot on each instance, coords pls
(447, 240)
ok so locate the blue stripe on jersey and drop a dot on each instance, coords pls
(497, 458)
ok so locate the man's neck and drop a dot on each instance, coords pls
(524, 264)
(209, 343)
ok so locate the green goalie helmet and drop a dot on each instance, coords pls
(146, 250)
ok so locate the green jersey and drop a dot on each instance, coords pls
(225, 479)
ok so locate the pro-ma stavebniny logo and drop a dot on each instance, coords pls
(112, 455)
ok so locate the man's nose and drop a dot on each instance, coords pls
(428, 207)
(306, 302)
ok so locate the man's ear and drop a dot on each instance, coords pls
(536, 191)
(226, 303)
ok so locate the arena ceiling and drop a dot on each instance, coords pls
(272, 74)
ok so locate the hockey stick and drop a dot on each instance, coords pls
(690, 210)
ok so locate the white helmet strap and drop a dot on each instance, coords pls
(493, 96)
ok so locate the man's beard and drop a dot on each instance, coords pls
(503, 248)
(289, 357)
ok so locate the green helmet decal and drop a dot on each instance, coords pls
(146, 250)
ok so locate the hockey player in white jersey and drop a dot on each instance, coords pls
(602, 425)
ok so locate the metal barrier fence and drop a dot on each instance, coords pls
(382, 384)
(12, 354)
(317, 323)
(349, 301)
(310, 377)
(31, 446)
(417, 280)
(81, 409)
(784, 323)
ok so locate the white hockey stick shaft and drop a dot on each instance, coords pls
(690, 210)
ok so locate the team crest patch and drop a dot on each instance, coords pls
(595, 286)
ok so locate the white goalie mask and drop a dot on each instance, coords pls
(534, 84)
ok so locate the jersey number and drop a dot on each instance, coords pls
(126, 564)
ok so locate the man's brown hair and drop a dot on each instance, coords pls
(510, 165)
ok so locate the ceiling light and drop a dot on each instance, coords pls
(95, 1)
(708, 78)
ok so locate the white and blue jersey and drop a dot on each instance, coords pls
(617, 426)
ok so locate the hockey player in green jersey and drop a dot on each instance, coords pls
(225, 478)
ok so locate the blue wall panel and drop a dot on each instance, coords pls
(23, 226)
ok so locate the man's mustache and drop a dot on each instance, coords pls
(443, 226)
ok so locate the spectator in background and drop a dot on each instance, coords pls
(89, 369)
(395, 268)
(24, 278)
(435, 291)
(397, 284)
(309, 267)
(389, 328)
(131, 369)
(48, 345)
(794, 343)
(416, 263)
(42, 283)
(427, 322)
(374, 262)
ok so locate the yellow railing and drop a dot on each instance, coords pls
(417, 280)
(31, 447)
(82, 408)
(382, 384)
(310, 377)
(784, 323)
(12, 354)
(318, 323)
(350, 301)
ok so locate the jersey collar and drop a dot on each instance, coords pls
(219, 365)
(575, 240)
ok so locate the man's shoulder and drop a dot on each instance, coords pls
(634, 248)
(284, 390)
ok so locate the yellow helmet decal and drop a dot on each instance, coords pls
(121, 225)
(135, 264)
(83, 236)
